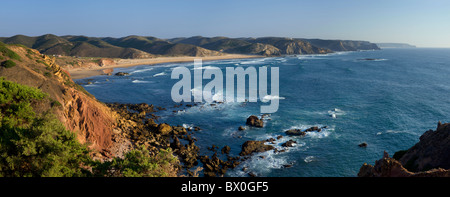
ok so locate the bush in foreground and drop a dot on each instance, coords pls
(38, 145)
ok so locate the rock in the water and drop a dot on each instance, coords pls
(296, 132)
(241, 128)
(250, 147)
(197, 128)
(363, 145)
(254, 121)
(226, 150)
(290, 143)
(122, 74)
(179, 130)
(315, 128)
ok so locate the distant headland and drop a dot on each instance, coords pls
(395, 45)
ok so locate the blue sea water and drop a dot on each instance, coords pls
(387, 103)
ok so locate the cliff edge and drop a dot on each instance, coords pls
(430, 157)
(79, 111)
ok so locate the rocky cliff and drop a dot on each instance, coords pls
(289, 46)
(429, 157)
(80, 112)
(343, 45)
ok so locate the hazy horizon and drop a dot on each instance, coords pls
(419, 23)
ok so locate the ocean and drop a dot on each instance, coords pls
(385, 98)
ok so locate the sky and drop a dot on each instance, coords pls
(424, 23)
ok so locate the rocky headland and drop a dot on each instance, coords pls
(430, 157)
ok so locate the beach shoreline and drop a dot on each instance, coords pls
(85, 72)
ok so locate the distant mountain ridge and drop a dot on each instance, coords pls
(146, 46)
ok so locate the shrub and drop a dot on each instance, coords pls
(8, 64)
(140, 163)
(42, 149)
(34, 145)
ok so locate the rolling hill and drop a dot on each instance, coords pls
(146, 46)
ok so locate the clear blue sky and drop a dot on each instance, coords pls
(425, 23)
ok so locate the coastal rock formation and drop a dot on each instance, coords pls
(164, 129)
(250, 147)
(274, 46)
(214, 166)
(290, 143)
(389, 167)
(92, 121)
(257, 49)
(254, 121)
(297, 132)
(432, 151)
(290, 46)
(122, 74)
(343, 45)
(106, 62)
(429, 157)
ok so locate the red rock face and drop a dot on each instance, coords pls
(90, 120)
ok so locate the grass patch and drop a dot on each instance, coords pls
(8, 52)
(8, 64)
(42, 62)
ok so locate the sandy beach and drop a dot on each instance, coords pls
(84, 72)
